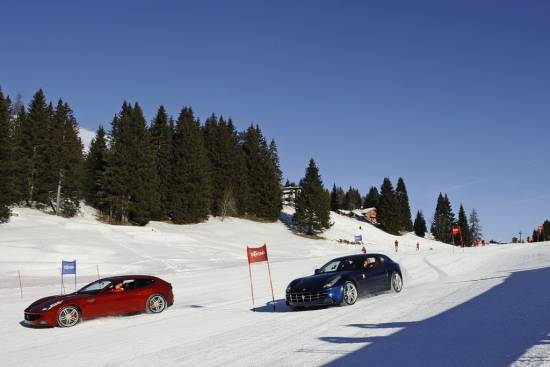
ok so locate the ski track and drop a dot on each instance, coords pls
(211, 323)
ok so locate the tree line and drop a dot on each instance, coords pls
(176, 170)
(544, 235)
(40, 155)
(394, 213)
(393, 209)
(444, 220)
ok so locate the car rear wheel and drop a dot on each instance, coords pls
(350, 294)
(156, 303)
(396, 282)
(68, 316)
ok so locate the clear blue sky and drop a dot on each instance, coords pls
(452, 95)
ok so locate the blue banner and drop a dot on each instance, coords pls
(68, 267)
(358, 238)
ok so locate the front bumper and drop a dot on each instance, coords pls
(44, 319)
(325, 297)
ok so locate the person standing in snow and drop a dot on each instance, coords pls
(364, 249)
(396, 245)
(417, 246)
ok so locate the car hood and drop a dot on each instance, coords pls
(314, 282)
(46, 301)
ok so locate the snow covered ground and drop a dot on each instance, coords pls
(486, 306)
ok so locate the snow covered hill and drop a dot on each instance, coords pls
(485, 306)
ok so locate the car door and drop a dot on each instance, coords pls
(136, 293)
(363, 282)
(376, 274)
(109, 301)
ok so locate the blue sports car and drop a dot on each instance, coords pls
(341, 281)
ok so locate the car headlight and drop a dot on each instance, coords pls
(52, 306)
(288, 289)
(332, 282)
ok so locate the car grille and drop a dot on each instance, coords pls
(31, 317)
(306, 297)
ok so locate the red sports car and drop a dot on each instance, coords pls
(105, 297)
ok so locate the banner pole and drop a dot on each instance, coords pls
(97, 268)
(453, 240)
(271, 284)
(75, 281)
(251, 287)
(20, 284)
(62, 279)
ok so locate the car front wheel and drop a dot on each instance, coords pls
(396, 282)
(155, 304)
(350, 294)
(68, 316)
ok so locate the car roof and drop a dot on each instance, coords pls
(358, 256)
(123, 277)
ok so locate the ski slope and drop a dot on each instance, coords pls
(487, 306)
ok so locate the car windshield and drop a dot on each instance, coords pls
(337, 265)
(95, 287)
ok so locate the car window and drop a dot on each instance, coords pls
(95, 287)
(371, 262)
(347, 264)
(140, 283)
(330, 267)
(129, 284)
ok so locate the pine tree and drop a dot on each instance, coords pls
(67, 163)
(404, 207)
(191, 176)
(95, 182)
(263, 183)
(46, 174)
(352, 199)
(131, 174)
(226, 160)
(33, 151)
(274, 156)
(239, 170)
(475, 227)
(372, 198)
(21, 156)
(337, 198)
(535, 237)
(449, 213)
(420, 228)
(161, 141)
(334, 204)
(443, 220)
(312, 202)
(546, 230)
(6, 163)
(388, 208)
(464, 227)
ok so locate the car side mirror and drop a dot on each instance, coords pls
(317, 271)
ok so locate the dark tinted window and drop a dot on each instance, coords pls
(140, 283)
(347, 264)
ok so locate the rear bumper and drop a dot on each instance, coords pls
(325, 297)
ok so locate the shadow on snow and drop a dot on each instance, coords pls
(280, 307)
(492, 329)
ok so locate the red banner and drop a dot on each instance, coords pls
(456, 230)
(541, 228)
(256, 254)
